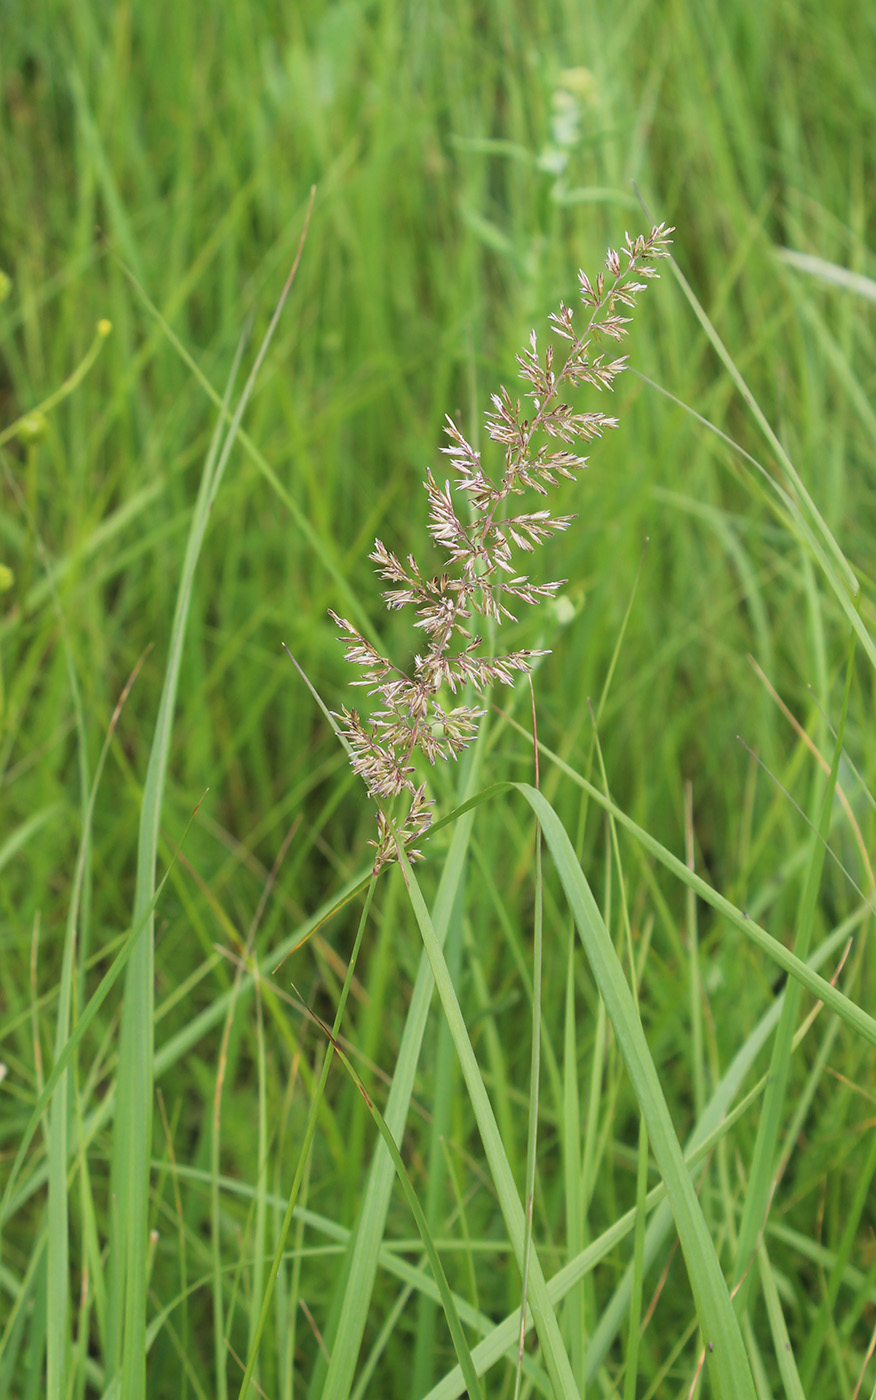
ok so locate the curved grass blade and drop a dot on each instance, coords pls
(760, 1181)
(132, 1139)
(323, 548)
(831, 273)
(499, 1340)
(304, 1154)
(133, 1127)
(172, 1051)
(354, 1294)
(808, 521)
(781, 1340)
(460, 1344)
(816, 519)
(8, 1203)
(543, 1312)
(22, 834)
(728, 1363)
(58, 1263)
(718, 1118)
(847, 1010)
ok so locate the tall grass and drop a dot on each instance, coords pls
(212, 1182)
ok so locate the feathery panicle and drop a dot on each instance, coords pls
(478, 543)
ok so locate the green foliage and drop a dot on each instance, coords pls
(182, 875)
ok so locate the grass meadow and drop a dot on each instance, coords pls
(268, 1126)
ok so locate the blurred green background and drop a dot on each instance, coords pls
(468, 158)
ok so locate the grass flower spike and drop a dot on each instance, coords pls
(480, 574)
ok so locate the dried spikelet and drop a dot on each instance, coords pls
(480, 569)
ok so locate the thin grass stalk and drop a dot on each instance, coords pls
(183, 1251)
(260, 1231)
(695, 986)
(168, 1055)
(304, 1154)
(755, 1209)
(873, 1390)
(816, 518)
(93, 1293)
(858, 1201)
(637, 1277)
(671, 1366)
(384, 1336)
(58, 1336)
(442, 1104)
(133, 1126)
(515, 945)
(58, 1268)
(132, 1140)
(719, 1120)
(570, 1126)
(460, 1344)
(462, 1216)
(847, 1010)
(808, 524)
(10, 1203)
(728, 1364)
(288, 1324)
(535, 1062)
(245, 966)
(361, 1268)
(781, 1341)
(543, 1313)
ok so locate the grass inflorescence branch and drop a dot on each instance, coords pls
(480, 576)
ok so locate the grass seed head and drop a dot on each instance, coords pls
(479, 551)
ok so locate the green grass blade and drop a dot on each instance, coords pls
(637, 1276)
(59, 1112)
(534, 1083)
(839, 579)
(304, 1153)
(501, 1340)
(132, 1140)
(727, 1360)
(10, 1203)
(133, 1127)
(323, 547)
(169, 1054)
(358, 1278)
(260, 1228)
(543, 1312)
(28, 829)
(831, 273)
(570, 1130)
(451, 1313)
(855, 1205)
(760, 1183)
(815, 517)
(446, 1087)
(781, 1340)
(848, 1010)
